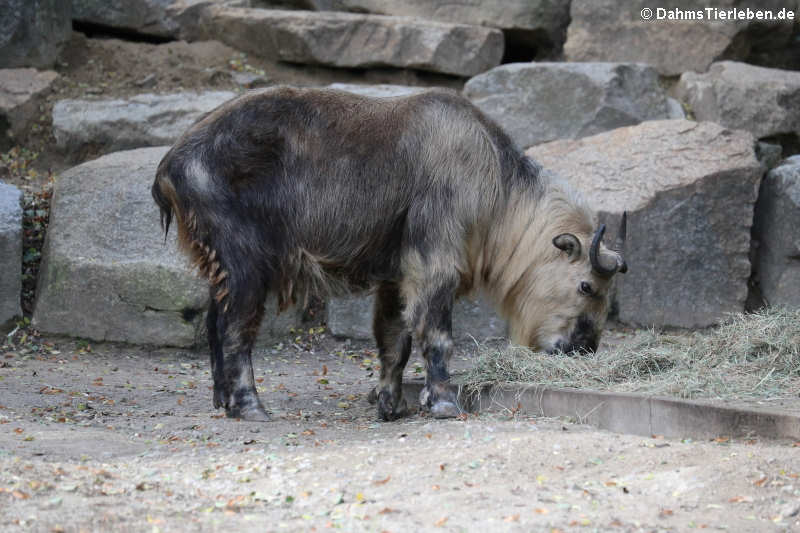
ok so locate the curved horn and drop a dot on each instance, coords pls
(619, 244)
(595, 258)
(599, 261)
(594, 254)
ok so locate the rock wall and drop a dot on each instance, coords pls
(674, 121)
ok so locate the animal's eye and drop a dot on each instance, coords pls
(586, 288)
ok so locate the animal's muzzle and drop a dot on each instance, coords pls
(583, 339)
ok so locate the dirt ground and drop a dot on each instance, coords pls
(121, 438)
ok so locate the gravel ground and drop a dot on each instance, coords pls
(120, 438)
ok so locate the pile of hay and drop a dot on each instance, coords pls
(749, 357)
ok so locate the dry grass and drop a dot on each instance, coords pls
(749, 357)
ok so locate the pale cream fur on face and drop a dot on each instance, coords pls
(535, 284)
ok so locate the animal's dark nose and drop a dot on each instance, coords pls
(588, 346)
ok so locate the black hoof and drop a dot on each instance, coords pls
(247, 406)
(220, 397)
(389, 408)
(441, 404)
(372, 397)
(445, 409)
(251, 414)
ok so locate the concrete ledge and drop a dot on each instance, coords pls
(628, 412)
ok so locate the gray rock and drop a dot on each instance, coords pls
(675, 109)
(103, 126)
(769, 153)
(689, 189)
(350, 40)
(351, 317)
(149, 17)
(10, 253)
(377, 91)
(250, 80)
(21, 92)
(106, 272)
(608, 30)
(534, 22)
(540, 102)
(763, 101)
(777, 250)
(32, 32)
(160, 18)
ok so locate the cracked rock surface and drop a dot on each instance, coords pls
(106, 272)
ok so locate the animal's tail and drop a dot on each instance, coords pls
(196, 244)
(164, 195)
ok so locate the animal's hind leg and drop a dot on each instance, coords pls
(394, 347)
(215, 349)
(239, 317)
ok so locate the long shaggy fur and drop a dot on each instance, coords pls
(304, 190)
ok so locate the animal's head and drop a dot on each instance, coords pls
(566, 296)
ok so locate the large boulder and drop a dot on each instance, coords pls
(536, 23)
(689, 189)
(777, 247)
(94, 127)
(107, 273)
(150, 17)
(349, 40)
(608, 30)
(10, 253)
(382, 90)
(159, 18)
(351, 317)
(32, 32)
(763, 101)
(21, 92)
(540, 102)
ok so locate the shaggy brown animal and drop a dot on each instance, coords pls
(421, 197)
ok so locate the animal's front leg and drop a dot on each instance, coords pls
(432, 319)
(437, 396)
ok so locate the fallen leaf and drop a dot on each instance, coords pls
(760, 482)
(512, 518)
(666, 512)
(18, 494)
(540, 510)
(382, 481)
(442, 521)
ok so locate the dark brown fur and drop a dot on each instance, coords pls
(316, 191)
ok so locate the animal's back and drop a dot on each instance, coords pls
(329, 175)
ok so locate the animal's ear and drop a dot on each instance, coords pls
(570, 244)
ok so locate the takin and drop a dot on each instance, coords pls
(420, 198)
